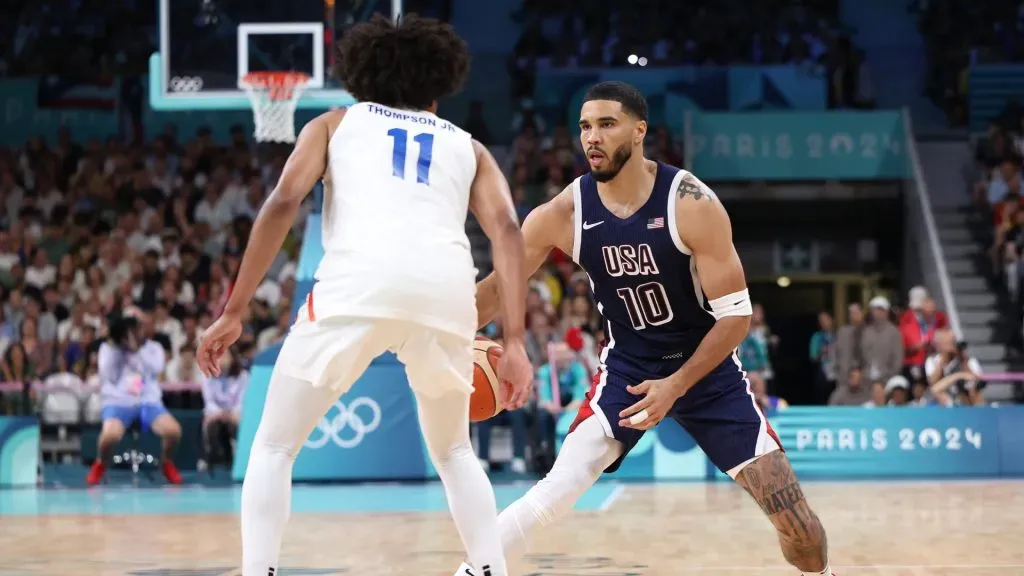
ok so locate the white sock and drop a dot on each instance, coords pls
(445, 424)
(826, 572)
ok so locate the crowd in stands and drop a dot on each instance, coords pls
(90, 232)
(892, 357)
(958, 34)
(78, 39)
(561, 34)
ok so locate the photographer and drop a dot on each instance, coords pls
(953, 374)
(129, 368)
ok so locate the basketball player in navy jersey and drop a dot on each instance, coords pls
(657, 245)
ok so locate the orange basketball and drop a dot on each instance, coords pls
(486, 399)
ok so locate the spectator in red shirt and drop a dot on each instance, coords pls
(917, 326)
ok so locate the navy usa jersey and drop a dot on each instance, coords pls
(642, 275)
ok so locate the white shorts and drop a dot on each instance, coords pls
(336, 351)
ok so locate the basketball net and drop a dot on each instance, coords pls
(274, 97)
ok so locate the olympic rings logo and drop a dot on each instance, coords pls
(186, 84)
(333, 428)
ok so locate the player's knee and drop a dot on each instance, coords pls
(442, 455)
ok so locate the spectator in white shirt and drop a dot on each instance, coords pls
(183, 368)
(40, 273)
(8, 256)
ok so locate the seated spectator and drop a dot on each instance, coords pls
(129, 367)
(954, 375)
(17, 367)
(222, 409)
(918, 325)
(854, 392)
(823, 356)
(767, 402)
(562, 386)
(897, 391)
(878, 396)
(515, 420)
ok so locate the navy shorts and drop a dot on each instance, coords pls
(719, 412)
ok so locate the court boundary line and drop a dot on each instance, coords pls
(612, 498)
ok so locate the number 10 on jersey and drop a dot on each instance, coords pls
(426, 144)
(647, 305)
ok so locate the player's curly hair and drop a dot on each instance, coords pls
(406, 65)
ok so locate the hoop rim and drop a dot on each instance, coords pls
(279, 84)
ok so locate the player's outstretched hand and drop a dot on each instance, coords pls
(515, 372)
(658, 398)
(215, 340)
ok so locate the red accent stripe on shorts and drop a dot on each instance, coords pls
(309, 306)
(585, 410)
(768, 427)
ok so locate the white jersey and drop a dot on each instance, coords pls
(396, 194)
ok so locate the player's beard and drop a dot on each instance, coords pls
(617, 160)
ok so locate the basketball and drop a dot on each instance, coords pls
(485, 401)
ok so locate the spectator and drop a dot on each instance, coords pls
(222, 409)
(918, 325)
(823, 356)
(753, 350)
(516, 421)
(878, 396)
(562, 386)
(129, 367)
(953, 374)
(897, 391)
(766, 401)
(881, 343)
(854, 391)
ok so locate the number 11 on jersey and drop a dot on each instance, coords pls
(426, 142)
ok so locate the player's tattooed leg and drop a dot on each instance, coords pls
(770, 480)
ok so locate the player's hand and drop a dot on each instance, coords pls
(515, 372)
(658, 398)
(215, 341)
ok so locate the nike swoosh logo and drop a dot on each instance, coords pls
(587, 226)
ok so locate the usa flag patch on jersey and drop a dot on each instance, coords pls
(658, 222)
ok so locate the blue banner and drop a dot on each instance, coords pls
(990, 88)
(671, 92)
(839, 443)
(19, 451)
(797, 146)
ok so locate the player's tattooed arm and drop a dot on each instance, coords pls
(770, 480)
(692, 187)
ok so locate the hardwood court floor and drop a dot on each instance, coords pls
(875, 529)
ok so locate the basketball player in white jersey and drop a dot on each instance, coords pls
(397, 275)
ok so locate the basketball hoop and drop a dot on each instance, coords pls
(274, 97)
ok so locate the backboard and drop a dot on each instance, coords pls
(206, 46)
